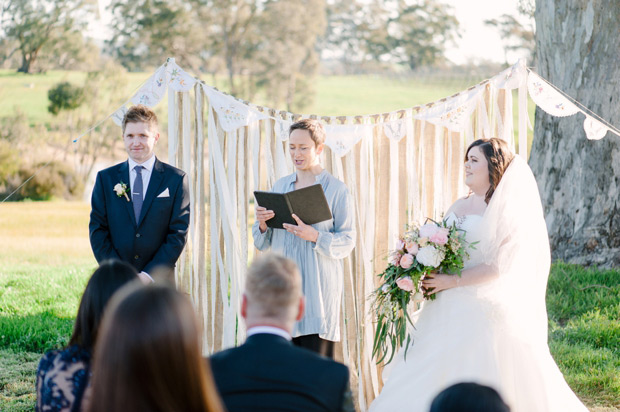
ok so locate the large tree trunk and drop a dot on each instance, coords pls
(578, 46)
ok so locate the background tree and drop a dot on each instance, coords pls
(577, 50)
(287, 57)
(145, 33)
(400, 32)
(518, 33)
(38, 25)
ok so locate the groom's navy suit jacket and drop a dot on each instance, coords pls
(157, 238)
(268, 373)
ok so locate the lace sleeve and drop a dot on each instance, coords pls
(61, 379)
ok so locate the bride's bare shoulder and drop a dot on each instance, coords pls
(459, 206)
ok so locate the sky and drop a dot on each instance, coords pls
(478, 42)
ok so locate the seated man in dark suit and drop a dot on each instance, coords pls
(268, 373)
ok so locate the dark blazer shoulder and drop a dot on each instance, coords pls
(113, 169)
(169, 169)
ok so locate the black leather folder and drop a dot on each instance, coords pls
(309, 204)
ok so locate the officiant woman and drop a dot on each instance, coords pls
(318, 249)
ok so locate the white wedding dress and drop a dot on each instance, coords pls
(492, 333)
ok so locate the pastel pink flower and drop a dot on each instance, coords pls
(406, 261)
(441, 236)
(412, 248)
(428, 230)
(395, 258)
(400, 244)
(405, 283)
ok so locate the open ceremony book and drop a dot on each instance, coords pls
(309, 204)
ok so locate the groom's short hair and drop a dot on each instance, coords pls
(273, 286)
(140, 114)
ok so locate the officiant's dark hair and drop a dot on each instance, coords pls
(148, 356)
(498, 156)
(469, 397)
(109, 277)
(317, 132)
(140, 113)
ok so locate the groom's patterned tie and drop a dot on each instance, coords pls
(136, 193)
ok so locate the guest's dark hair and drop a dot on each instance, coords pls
(109, 277)
(148, 356)
(498, 156)
(314, 127)
(468, 397)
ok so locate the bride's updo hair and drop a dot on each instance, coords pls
(498, 156)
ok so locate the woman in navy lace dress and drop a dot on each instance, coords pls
(63, 374)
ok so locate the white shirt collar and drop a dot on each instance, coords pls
(268, 329)
(148, 165)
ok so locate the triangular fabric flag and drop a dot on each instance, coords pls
(594, 129)
(119, 115)
(455, 111)
(395, 129)
(282, 128)
(178, 79)
(342, 137)
(232, 114)
(151, 93)
(549, 99)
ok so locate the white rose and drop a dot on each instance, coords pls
(118, 189)
(429, 256)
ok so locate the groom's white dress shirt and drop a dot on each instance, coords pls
(146, 173)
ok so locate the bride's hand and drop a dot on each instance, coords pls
(436, 282)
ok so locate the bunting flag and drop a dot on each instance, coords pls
(151, 93)
(594, 129)
(454, 112)
(548, 99)
(232, 113)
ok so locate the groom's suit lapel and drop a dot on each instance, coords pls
(123, 176)
(156, 178)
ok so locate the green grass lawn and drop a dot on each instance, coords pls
(46, 260)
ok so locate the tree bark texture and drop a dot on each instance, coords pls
(578, 50)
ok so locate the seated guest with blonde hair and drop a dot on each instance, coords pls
(268, 373)
(62, 375)
(148, 357)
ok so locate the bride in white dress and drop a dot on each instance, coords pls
(488, 326)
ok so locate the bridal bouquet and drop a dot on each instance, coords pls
(430, 248)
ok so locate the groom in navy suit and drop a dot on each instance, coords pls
(140, 207)
(268, 373)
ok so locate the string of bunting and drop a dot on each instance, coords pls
(451, 112)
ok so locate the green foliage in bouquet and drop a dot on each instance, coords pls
(421, 251)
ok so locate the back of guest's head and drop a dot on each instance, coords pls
(109, 277)
(148, 357)
(273, 287)
(469, 397)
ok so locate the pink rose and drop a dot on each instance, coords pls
(406, 261)
(395, 258)
(412, 248)
(400, 244)
(441, 236)
(405, 283)
(428, 230)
